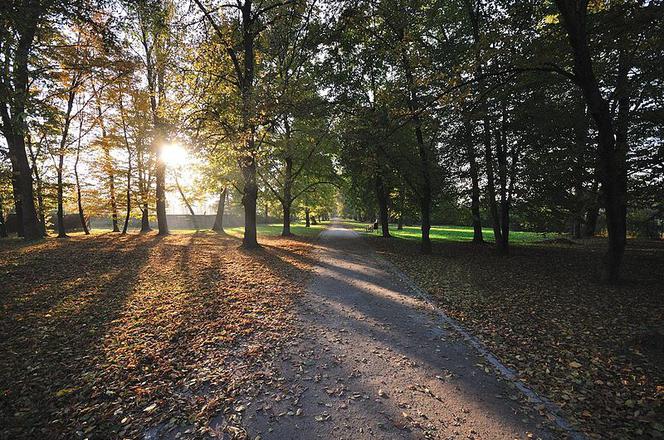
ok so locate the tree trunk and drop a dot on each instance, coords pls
(61, 162)
(25, 195)
(18, 206)
(475, 185)
(128, 214)
(160, 178)
(145, 219)
(129, 166)
(187, 204)
(490, 185)
(15, 128)
(592, 214)
(62, 233)
(612, 144)
(3, 227)
(40, 187)
(249, 198)
(501, 153)
(402, 206)
(307, 219)
(108, 161)
(79, 199)
(286, 230)
(382, 196)
(221, 206)
(425, 192)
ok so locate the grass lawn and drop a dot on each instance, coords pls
(109, 336)
(454, 233)
(595, 350)
(274, 230)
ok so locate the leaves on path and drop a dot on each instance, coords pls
(591, 348)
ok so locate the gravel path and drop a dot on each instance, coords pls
(374, 362)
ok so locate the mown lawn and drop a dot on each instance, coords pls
(455, 233)
(274, 230)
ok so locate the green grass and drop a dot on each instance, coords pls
(453, 233)
(274, 229)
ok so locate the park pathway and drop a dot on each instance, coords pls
(374, 362)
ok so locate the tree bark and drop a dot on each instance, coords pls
(425, 190)
(62, 233)
(218, 225)
(108, 162)
(501, 153)
(3, 227)
(307, 219)
(382, 197)
(14, 125)
(286, 230)
(490, 185)
(592, 214)
(145, 219)
(79, 199)
(475, 185)
(612, 145)
(160, 178)
(18, 206)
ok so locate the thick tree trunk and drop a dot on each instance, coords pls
(23, 174)
(160, 178)
(145, 219)
(221, 206)
(382, 197)
(249, 198)
(490, 185)
(286, 229)
(426, 226)
(15, 128)
(307, 218)
(18, 206)
(475, 185)
(3, 227)
(612, 143)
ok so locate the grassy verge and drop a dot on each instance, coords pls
(274, 230)
(454, 233)
(109, 336)
(595, 350)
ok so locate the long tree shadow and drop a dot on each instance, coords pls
(59, 301)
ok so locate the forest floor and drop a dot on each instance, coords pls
(111, 336)
(597, 351)
(189, 336)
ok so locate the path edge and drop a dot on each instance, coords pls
(506, 372)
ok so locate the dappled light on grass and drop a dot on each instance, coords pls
(274, 230)
(454, 233)
(167, 340)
